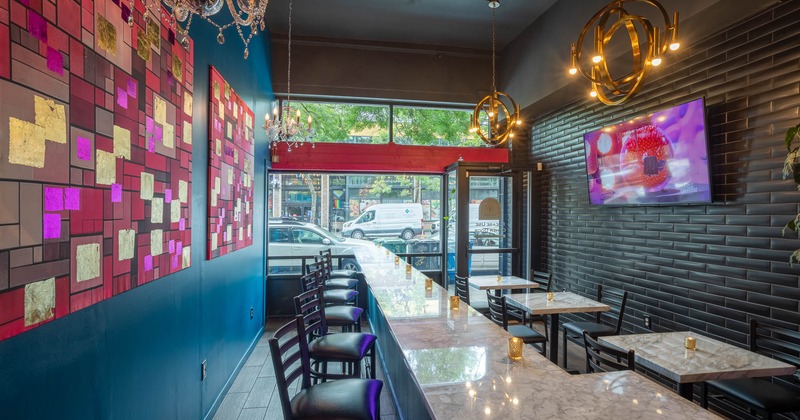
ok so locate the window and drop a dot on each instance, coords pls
(433, 127)
(279, 235)
(369, 124)
(303, 236)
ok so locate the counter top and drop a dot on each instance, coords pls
(459, 360)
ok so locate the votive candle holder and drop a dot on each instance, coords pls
(454, 302)
(690, 343)
(428, 283)
(515, 348)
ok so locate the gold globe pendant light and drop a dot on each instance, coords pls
(646, 52)
(496, 115)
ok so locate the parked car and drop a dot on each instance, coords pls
(403, 220)
(289, 238)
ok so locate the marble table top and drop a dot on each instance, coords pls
(459, 360)
(562, 303)
(506, 282)
(665, 353)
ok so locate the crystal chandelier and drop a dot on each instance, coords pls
(283, 125)
(496, 115)
(247, 14)
(604, 24)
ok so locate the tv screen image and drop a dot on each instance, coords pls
(660, 158)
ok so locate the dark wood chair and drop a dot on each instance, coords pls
(462, 291)
(348, 348)
(353, 398)
(602, 358)
(347, 316)
(499, 313)
(763, 397)
(607, 323)
(315, 277)
(336, 279)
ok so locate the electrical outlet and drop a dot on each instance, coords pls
(647, 321)
(251, 312)
(203, 370)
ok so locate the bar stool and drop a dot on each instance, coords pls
(602, 358)
(353, 398)
(346, 316)
(320, 263)
(350, 349)
(314, 279)
(335, 273)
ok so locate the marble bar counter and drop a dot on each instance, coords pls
(454, 364)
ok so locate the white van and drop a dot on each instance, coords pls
(403, 220)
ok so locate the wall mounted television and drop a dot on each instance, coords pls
(660, 158)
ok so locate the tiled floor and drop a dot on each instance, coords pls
(253, 394)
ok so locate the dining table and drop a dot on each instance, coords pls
(561, 303)
(499, 283)
(666, 354)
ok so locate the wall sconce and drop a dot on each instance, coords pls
(603, 25)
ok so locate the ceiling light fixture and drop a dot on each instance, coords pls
(615, 91)
(496, 113)
(247, 14)
(283, 125)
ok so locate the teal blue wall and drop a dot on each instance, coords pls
(138, 355)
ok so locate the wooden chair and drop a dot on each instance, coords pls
(347, 316)
(607, 323)
(498, 313)
(602, 358)
(760, 396)
(350, 349)
(315, 277)
(462, 291)
(345, 398)
(335, 279)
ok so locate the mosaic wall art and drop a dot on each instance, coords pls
(230, 170)
(95, 157)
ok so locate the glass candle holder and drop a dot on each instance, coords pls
(408, 268)
(690, 343)
(428, 283)
(387, 252)
(549, 295)
(396, 260)
(515, 348)
(454, 302)
(499, 278)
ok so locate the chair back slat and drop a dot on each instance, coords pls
(543, 279)
(288, 346)
(601, 358)
(617, 300)
(776, 341)
(311, 306)
(462, 288)
(497, 309)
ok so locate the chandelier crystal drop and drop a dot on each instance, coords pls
(647, 51)
(284, 125)
(496, 115)
(247, 16)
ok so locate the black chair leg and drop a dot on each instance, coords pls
(372, 363)
(564, 348)
(704, 395)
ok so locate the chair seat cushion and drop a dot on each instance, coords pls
(595, 330)
(341, 283)
(341, 347)
(340, 296)
(760, 394)
(356, 399)
(342, 315)
(343, 273)
(526, 334)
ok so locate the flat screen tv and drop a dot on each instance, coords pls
(660, 158)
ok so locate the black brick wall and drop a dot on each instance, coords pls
(699, 267)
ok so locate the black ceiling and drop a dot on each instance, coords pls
(448, 23)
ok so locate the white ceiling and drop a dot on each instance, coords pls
(447, 23)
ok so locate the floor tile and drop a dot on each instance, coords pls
(261, 393)
(231, 406)
(245, 380)
(259, 413)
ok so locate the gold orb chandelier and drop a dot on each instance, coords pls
(647, 52)
(496, 115)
